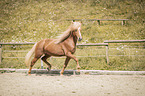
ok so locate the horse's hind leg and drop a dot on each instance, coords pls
(32, 64)
(44, 60)
(38, 54)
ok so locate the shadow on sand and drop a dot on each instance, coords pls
(55, 72)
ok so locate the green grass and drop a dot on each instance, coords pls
(34, 20)
(25, 21)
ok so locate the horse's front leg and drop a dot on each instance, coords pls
(65, 65)
(73, 57)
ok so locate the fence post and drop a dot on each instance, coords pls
(98, 22)
(41, 64)
(123, 22)
(0, 54)
(107, 54)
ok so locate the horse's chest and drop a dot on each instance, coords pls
(69, 48)
(73, 50)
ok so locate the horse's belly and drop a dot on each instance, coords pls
(54, 50)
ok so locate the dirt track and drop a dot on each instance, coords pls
(19, 84)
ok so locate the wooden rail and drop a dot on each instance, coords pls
(124, 41)
(31, 43)
(99, 20)
(28, 43)
(93, 44)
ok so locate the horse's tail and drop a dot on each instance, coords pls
(29, 55)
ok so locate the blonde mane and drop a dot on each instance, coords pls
(66, 34)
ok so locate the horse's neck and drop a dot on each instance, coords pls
(74, 39)
(71, 40)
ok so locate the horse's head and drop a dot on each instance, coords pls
(76, 27)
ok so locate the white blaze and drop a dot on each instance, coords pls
(79, 32)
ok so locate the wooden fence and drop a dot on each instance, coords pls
(123, 41)
(32, 43)
(99, 20)
(105, 44)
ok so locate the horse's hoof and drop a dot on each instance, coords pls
(48, 69)
(29, 74)
(78, 70)
(61, 75)
(78, 67)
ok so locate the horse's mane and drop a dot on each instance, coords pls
(66, 34)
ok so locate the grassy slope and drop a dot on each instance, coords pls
(38, 19)
(33, 20)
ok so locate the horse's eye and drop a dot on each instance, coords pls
(76, 30)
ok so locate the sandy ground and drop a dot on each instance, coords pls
(19, 84)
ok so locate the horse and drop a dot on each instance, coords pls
(65, 45)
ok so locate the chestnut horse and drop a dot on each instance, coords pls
(65, 45)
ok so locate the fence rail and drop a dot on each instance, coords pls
(27, 43)
(124, 41)
(99, 20)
